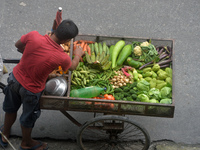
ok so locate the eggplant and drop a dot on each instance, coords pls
(164, 62)
(143, 66)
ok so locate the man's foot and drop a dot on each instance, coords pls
(2, 140)
(40, 146)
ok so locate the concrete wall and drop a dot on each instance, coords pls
(172, 19)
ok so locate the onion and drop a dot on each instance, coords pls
(126, 80)
(114, 79)
(120, 84)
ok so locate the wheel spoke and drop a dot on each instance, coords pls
(113, 133)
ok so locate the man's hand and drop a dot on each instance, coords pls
(79, 51)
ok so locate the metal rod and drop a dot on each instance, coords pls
(7, 141)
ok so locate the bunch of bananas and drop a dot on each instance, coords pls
(100, 56)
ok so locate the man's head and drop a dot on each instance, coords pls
(66, 30)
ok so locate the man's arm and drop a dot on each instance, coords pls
(20, 46)
(78, 53)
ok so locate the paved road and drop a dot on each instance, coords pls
(71, 145)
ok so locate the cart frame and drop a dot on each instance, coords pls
(121, 108)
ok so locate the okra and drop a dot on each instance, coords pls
(84, 68)
(79, 74)
(75, 74)
(73, 82)
(77, 81)
(84, 81)
(78, 66)
(107, 88)
(85, 72)
(93, 70)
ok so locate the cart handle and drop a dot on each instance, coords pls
(12, 61)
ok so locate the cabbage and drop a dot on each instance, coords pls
(143, 85)
(166, 92)
(143, 98)
(166, 101)
(154, 93)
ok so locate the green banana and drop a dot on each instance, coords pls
(107, 65)
(88, 57)
(105, 59)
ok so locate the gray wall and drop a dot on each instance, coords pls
(172, 19)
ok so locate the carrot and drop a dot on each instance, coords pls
(85, 41)
(76, 46)
(60, 69)
(88, 50)
(85, 47)
(75, 42)
(82, 44)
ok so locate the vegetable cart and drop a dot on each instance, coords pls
(112, 129)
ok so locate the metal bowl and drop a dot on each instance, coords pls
(56, 86)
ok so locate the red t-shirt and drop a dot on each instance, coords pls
(40, 57)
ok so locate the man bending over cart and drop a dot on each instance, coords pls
(41, 55)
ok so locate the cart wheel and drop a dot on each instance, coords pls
(112, 132)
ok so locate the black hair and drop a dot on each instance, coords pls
(66, 30)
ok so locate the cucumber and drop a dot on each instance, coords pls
(125, 52)
(116, 50)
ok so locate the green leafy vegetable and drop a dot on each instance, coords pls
(143, 85)
(154, 94)
(166, 92)
(166, 101)
(143, 98)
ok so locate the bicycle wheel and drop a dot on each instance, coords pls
(112, 133)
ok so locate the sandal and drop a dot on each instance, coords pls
(2, 143)
(34, 147)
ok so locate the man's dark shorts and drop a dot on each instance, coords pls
(15, 95)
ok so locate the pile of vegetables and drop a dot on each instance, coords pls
(138, 72)
(85, 76)
(59, 71)
(98, 56)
